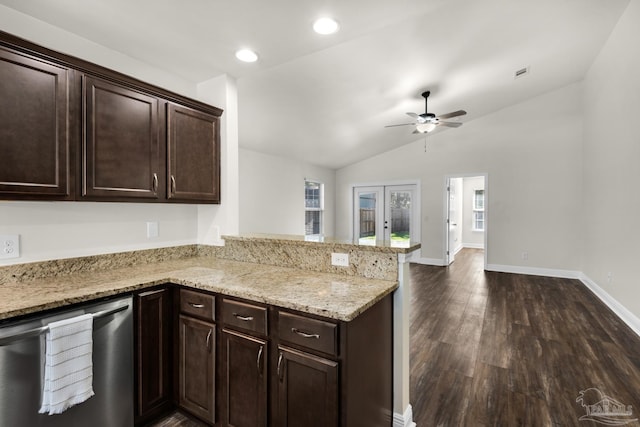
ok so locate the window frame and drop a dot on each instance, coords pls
(478, 211)
(319, 209)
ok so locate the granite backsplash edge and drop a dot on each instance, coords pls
(65, 266)
(364, 263)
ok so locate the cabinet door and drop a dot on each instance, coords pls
(246, 382)
(153, 353)
(307, 390)
(193, 155)
(120, 151)
(34, 136)
(196, 367)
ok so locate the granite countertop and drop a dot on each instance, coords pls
(325, 294)
(345, 244)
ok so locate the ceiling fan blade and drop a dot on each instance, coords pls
(453, 114)
(414, 115)
(450, 124)
(416, 131)
(402, 124)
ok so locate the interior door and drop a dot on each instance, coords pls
(386, 213)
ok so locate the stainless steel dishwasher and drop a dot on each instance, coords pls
(22, 350)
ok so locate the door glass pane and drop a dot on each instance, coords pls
(400, 220)
(367, 218)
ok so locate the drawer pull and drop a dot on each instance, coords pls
(194, 305)
(173, 184)
(243, 318)
(305, 334)
(259, 361)
(155, 182)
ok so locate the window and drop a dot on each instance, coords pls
(478, 210)
(313, 205)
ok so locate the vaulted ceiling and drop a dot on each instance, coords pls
(326, 99)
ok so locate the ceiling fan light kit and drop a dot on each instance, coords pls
(427, 122)
(425, 127)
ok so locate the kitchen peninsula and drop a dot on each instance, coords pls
(287, 282)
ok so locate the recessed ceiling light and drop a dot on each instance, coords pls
(325, 26)
(246, 55)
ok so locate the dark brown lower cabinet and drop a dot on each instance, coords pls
(238, 363)
(196, 367)
(153, 353)
(307, 390)
(245, 380)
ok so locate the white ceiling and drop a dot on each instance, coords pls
(326, 99)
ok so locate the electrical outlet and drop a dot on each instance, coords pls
(10, 246)
(525, 256)
(340, 260)
(609, 277)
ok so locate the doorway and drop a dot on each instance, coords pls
(466, 214)
(386, 213)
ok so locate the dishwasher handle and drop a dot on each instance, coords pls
(38, 331)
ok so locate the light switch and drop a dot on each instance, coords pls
(152, 229)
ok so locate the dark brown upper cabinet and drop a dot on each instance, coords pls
(120, 145)
(34, 135)
(193, 155)
(72, 130)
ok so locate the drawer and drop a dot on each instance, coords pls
(244, 316)
(311, 333)
(197, 304)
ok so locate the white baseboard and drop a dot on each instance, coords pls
(534, 271)
(404, 420)
(621, 311)
(473, 245)
(429, 261)
(458, 249)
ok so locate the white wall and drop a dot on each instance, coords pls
(217, 220)
(39, 32)
(470, 237)
(611, 163)
(531, 153)
(272, 194)
(52, 230)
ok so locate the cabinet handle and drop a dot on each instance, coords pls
(243, 318)
(305, 334)
(259, 361)
(155, 182)
(209, 340)
(194, 305)
(173, 184)
(280, 357)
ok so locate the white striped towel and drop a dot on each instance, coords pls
(68, 371)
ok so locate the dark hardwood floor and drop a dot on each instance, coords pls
(497, 349)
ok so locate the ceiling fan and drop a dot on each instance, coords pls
(427, 122)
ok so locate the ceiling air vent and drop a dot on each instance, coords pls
(521, 72)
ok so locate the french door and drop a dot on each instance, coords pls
(386, 214)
